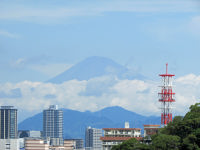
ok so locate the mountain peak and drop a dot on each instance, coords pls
(92, 67)
(113, 108)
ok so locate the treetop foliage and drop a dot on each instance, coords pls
(183, 133)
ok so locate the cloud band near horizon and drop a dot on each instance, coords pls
(135, 95)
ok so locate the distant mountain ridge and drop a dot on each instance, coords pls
(95, 67)
(75, 122)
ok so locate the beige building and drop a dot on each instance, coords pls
(115, 136)
(56, 148)
(35, 144)
(72, 144)
(41, 144)
(150, 129)
(69, 144)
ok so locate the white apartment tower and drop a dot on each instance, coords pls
(53, 125)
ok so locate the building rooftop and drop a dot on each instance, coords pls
(150, 125)
(121, 129)
(53, 107)
(151, 128)
(34, 138)
(6, 107)
(118, 138)
(72, 139)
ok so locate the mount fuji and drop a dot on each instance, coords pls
(95, 67)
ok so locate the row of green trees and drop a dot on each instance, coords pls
(183, 133)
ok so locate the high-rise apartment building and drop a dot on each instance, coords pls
(92, 139)
(8, 128)
(53, 125)
(8, 122)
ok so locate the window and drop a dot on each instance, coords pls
(7, 146)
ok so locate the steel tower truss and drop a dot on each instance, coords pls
(166, 97)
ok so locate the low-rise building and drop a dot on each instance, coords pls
(43, 144)
(57, 147)
(36, 144)
(25, 134)
(115, 136)
(71, 144)
(79, 143)
(150, 130)
(29, 133)
(11, 144)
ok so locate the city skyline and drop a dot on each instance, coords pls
(39, 40)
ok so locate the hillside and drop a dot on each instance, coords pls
(75, 122)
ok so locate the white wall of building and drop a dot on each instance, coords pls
(10, 144)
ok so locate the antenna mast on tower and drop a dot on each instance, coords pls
(166, 97)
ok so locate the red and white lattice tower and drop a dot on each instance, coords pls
(166, 97)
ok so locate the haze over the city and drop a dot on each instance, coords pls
(41, 39)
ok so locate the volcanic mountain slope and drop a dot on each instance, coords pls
(95, 67)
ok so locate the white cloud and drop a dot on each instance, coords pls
(68, 95)
(187, 89)
(8, 34)
(135, 95)
(189, 79)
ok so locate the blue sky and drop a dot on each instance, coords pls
(40, 39)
